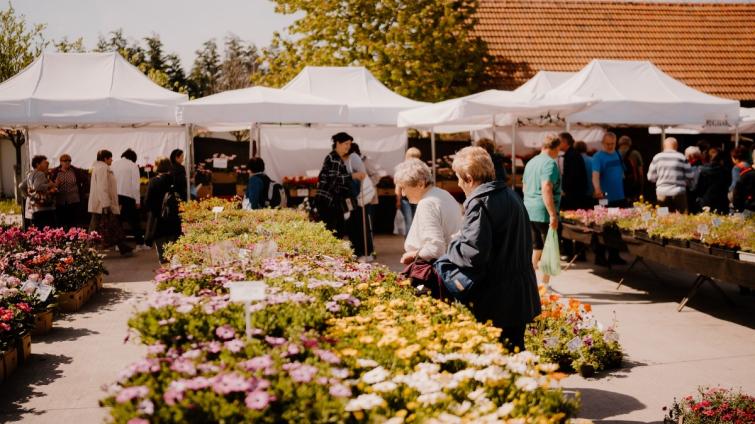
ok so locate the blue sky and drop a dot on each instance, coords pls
(183, 25)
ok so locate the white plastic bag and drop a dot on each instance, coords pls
(399, 225)
(366, 193)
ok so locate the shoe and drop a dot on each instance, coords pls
(366, 259)
(140, 247)
(616, 260)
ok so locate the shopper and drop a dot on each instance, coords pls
(634, 181)
(574, 174)
(334, 199)
(164, 221)
(581, 148)
(495, 248)
(740, 157)
(258, 180)
(178, 171)
(402, 203)
(541, 185)
(743, 197)
(672, 175)
(73, 191)
(608, 186)
(695, 159)
(499, 161)
(103, 204)
(712, 187)
(126, 173)
(40, 194)
(357, 225)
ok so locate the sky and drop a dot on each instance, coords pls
(183, 25)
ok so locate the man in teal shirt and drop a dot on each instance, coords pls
(542, 195)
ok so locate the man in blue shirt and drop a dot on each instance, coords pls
(255, 189)
(608, 184)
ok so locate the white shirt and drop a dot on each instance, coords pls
(437, 220)
(127, 178)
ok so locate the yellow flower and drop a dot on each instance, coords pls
(349, 352)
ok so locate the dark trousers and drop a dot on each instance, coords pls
(130, 214)
(512, 337)
(160, 243)
(332, 217)
(67, 214)
(115, 235)
(357, 232)
(43, 219)
(613, 254)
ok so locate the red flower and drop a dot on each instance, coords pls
(23, 306)
(4, 327)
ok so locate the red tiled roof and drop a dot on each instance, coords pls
(708, 46)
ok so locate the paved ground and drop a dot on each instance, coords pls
(668, 353)
(85, 350)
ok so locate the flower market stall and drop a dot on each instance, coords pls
(323, 338)
(717, 248)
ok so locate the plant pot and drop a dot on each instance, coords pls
(699, 246)
(648, 238)
(99, 282)
(42, 323)
(10, 361)
(23, 349)
(746, 256)
(587, 371)
(73, 301)
(678, 243)
(724, 252)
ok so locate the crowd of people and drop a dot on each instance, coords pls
(107, 197)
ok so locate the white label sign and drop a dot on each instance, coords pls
(663, 211)
(603, 202)
(220, 163)
(703, 229)
(716, 222)
(217, 209)
(247, 291)
(43, 292)
(302, 192)
(574, 344)
(613, 211)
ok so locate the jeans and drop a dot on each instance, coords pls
(406, 209)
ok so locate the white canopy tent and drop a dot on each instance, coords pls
(543, 81)
(77, 102)
(746, 125)
(638, 93)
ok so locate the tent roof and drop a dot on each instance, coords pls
(476, 111)
(746, 126)
(84, 88)
(638, 93)
(369, 101)
(238, 109)
(544, 81)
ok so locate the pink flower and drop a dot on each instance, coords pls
(275, 341)
(229, 383)
(130, 393)
(339, 390)
(327, 356)
(184, 366)
(258, 400)
(234, 345)
(258, 363)
(137, 421)
(300, 373)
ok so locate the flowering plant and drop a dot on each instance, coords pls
(300, 182)
(712, 405)
(16, 312)
(568, 334)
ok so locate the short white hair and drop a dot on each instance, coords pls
(413, 173)
(692, 151)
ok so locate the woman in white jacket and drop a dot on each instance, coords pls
(103, 204)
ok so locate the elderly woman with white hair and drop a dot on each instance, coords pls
(488, 266)
(438, 216)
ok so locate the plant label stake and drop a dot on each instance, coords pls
(603, 202)
(217, 210)
(663, 211)
(646, 217)
(716, 222)
(703, 230)
(247, 292)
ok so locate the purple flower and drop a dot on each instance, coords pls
(234, 345)
(229, 383)
(258, 400)
(129, 393)
(275, 341)
(184, 366)
(225, 332)
(587, 340)
(339, 390)
(300, 373)
(327, 356)
(258, 363)
(156, 348)
(332, 306)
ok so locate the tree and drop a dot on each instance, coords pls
(65, 46)
(206, 70)
(20, 42)
(239, 63)
(423, 49)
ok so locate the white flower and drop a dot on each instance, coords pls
(385, 386)
(527, 384)
(445, 417)
(431, 398)
(477, 395)
(493, 373)
(364, 402)
(462, 408)
(375, 376)
(146, 407)
(394, 420)
(505, 409)
(366, 363)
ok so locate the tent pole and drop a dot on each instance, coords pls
(432, 150)
(663, 136)
(189, 160)
(513, 156)
(494, 141)
(736, 138)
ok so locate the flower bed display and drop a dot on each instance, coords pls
(70, 257)
(716, 405)
(332, 340)
(567, 334)
(16, 322)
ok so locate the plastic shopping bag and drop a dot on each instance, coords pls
(550, 262)
(399, 225)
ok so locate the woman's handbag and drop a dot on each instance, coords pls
(423, 278)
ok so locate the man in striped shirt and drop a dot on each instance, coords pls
(671, 174)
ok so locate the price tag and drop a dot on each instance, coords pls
(551, 341)
(647, 216)
(302, 192)
(716, 222)
(597, 208)
(663, 211)
(703, 229)
(613, 211)
(29, 286)
(217, 209)
(220, 163)
(603, 202)
(574, 344)
(247, 291)
(43, 292)
(243, 254)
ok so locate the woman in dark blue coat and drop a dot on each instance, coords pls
(494, 248)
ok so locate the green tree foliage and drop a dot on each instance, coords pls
(239, 63)
(73, 46)
(20, 42)
(205, 73)
(423, 49)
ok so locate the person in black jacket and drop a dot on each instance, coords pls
(335, 197)
(743, 197)
(573, 186)
(178, 171)
(164, 224)
(495, 247)
(713, 184)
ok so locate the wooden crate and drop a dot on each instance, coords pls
(42, 323)
(23, 349)
(72, 302)
(10, 361)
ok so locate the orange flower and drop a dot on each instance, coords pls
(573, 304)
(588, 307)
(554, 297)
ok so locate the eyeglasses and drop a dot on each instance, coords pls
(65, 160)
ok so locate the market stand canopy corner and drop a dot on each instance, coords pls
(638, 93)
(79, 103)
